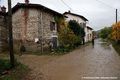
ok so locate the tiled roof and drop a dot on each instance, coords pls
(76, 15)
(89, 27)
(36, 6)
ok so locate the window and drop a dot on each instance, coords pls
(52, 26)
(80, 24)
(83, 24)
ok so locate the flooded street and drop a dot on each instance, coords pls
(99, 60)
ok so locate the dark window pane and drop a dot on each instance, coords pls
(52, 26)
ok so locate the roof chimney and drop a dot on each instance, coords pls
(26, 1)
(3, 9)
(69, 11)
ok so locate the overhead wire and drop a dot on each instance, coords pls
(67, 5)
(96, 0)
(105, 4)
(110, 7)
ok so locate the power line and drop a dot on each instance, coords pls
(116, 10)
(105, 4)
(67, 5)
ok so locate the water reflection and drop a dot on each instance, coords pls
(105, 44)
(93, 43)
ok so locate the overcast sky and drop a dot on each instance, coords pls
(100, 13)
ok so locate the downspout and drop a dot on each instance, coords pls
(25, 15)
(41, 33)
(26, 12)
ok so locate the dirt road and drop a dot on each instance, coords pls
(95, 61)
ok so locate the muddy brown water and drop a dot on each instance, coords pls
(99, 61)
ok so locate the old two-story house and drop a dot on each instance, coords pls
(80, 19)
(89, 34)
(3, 30)
(34, 26)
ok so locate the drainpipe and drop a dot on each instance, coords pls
(42, 33)
(25, 15)
(25, 23)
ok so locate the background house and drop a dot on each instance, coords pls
(89, 34)
(34, 27)
(79, 18)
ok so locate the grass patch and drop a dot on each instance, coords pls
(45, 53)
(17, 73)
(116, 47)
(4, 65)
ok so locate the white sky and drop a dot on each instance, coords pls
(98, 13)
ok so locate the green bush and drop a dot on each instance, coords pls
(63, 49)
(70, 35)
(105, 33)
(76, 28)
(4, 65)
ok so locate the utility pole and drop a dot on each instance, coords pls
(12, 60)
(116, 14)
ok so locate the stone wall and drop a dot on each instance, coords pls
(17, 24)
(3, 32)
(30, 25)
